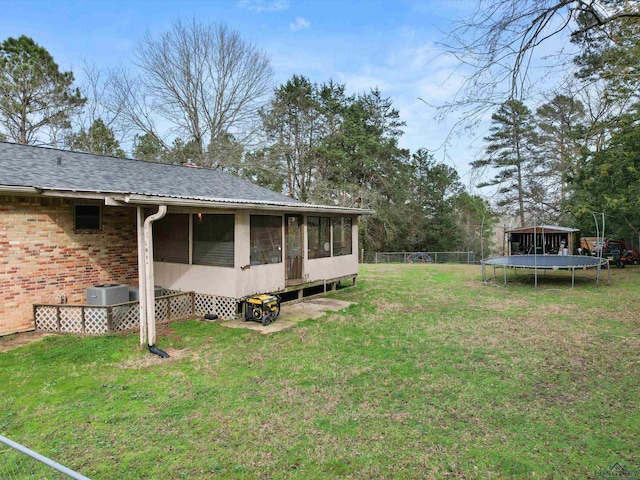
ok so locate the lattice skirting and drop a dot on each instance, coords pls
(224, 307)
(98, 320)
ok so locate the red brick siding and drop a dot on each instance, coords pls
(43, 258)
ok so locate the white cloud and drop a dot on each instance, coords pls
(300, 24)
(264, 5)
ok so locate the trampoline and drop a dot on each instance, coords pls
(546, 262)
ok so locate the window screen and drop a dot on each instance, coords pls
(318, 237)
(171, 238)
(341, 236)
(266, 239)
(213, 242)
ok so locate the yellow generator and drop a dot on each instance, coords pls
(262, 308)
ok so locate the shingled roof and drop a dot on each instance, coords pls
(47, 169)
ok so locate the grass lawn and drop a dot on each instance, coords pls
(433, 374)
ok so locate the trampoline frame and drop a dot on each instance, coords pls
(546, 262)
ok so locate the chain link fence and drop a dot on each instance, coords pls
(425, 257)
(20, 463)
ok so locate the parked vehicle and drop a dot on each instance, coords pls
(629, 255)
(613, 253)
(618, 252)
(419, 257)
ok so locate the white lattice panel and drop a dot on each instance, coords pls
(46, 318)
(71, 319)
(180, 306)
(95, 320)
(224, 307)
(126, 317)
(174, 305)
(162, 310)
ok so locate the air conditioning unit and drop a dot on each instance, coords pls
(134, 292)
(107, 294)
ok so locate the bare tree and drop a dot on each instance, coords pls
(95, 123)
(198, 82)
(496, 44)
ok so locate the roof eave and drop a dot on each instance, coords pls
(122, 199)
(240, 205)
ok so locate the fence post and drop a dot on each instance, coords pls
(110, 320)
(193, 302)
(58, 319)
(83, 327)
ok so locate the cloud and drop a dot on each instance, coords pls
(300, 24)
(260, 6)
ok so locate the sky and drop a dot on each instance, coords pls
(392, 45)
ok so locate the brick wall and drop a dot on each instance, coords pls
(42, 258)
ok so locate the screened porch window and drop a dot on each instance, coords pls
(266, 239)
(171, 238)
(341, 236)
(319, 237)
(213, 240)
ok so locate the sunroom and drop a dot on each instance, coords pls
(239, 253)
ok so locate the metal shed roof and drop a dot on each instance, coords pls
(543, 229)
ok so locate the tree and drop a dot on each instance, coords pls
(262, 169)
(609, 182)
(474, 220)
(561, 141)
(434, 188)
(373, 171)
(293, 127)
(94, 86)
(35, 97)
(98, 139)
(148, 147)
(496, 45)
(611, 54)
(201, 81)
(509, 151)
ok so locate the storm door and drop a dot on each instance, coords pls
(294, 253)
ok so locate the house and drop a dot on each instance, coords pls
(542, 239)
(71, 220)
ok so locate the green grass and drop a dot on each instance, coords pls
(433, 374)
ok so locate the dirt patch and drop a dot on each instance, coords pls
(150, 359)
(16, 340)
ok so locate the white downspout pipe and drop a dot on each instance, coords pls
(148, 265)
(142, 284)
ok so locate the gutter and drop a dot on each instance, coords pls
(305, 207)
(14, 190)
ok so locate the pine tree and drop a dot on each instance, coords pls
(36, 98)
(98, 139)
(561, 139)
(510, 152)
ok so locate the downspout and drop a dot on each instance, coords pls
(150, 301)
(142, 284)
